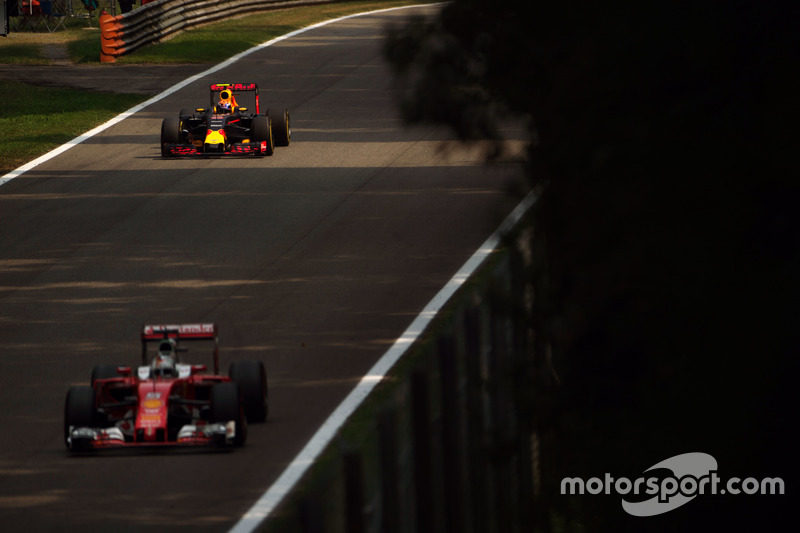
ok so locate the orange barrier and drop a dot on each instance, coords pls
(111, 45)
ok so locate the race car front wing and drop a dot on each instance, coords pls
(85, 438)
(177, 150)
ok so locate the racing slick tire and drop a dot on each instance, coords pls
(79, 409)
(282, 129)
(186, 113)
(104, 372)
(251, 376)
(170, 132)
(262, 131)
(226, 405)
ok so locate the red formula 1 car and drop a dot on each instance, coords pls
(166, 402)
(225, 127)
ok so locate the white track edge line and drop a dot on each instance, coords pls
(301, 463)
(180, 85)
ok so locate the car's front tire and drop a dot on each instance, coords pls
(226, 405)
(79, 409)
(262, 131)
(170, 132)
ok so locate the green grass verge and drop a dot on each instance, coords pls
(22, 54)
(37, 122)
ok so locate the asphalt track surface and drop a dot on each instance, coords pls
(313, 260)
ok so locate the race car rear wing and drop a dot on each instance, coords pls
(181, 332)
(235, 88)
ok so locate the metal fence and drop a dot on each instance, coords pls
(152, 22)
(448, 443)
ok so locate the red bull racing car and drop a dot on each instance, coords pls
(225, 127)
(166, 402)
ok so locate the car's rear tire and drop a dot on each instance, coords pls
(170, 132)
(251, 376)
(226, 405)
(104, 372)
(262, 131)
(79, 409)
(282, 129)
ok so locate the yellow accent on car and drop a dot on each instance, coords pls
(215, 137)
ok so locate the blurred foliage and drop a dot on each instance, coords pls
(666, 241)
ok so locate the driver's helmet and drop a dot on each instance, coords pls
(164, 361)
(225, 101)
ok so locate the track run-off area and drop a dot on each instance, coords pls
(315, 260)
